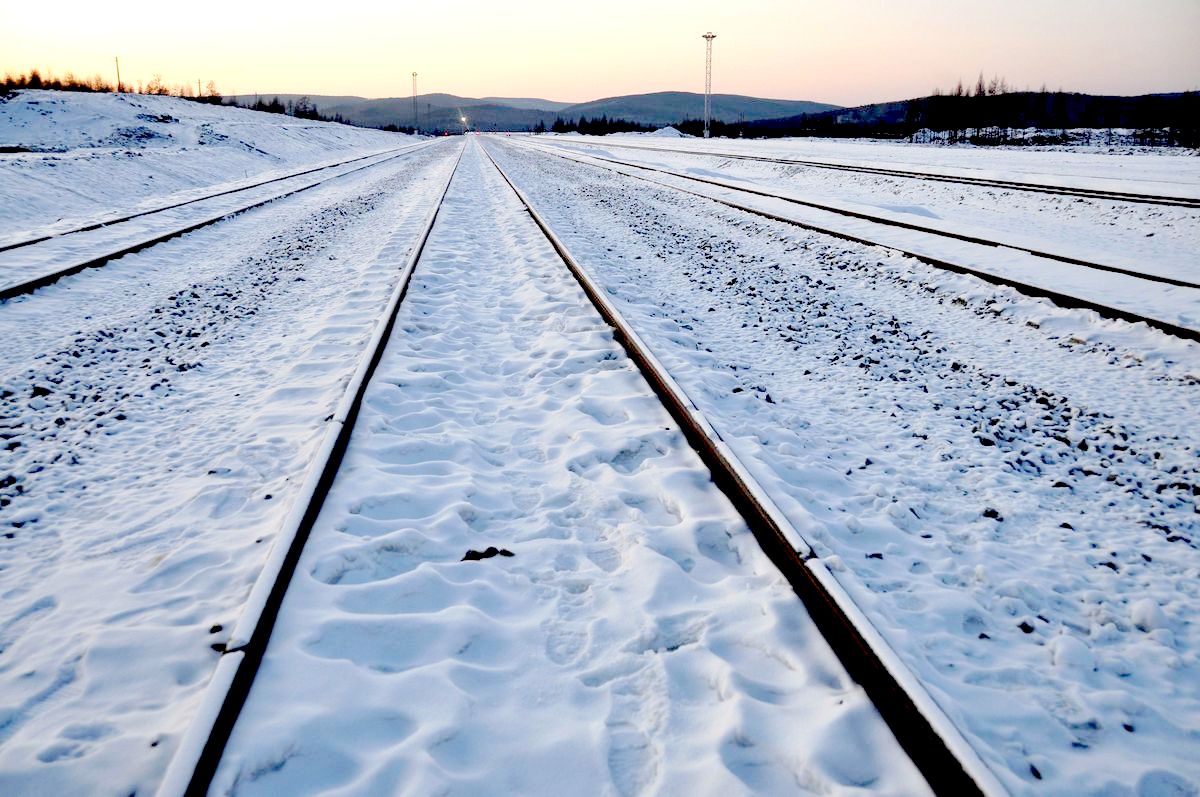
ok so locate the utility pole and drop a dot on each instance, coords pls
(416, 121)
(118, 63)
(198, 94)
(708, 37)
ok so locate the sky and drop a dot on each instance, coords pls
(848, 53)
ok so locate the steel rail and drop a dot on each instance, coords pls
(987, 182)
(1058, 297)
(974, 239)
(931, 740)
(121, 219)
(30, 285)
(195, 762)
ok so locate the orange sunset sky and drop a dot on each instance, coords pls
(841, 52)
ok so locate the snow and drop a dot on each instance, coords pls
(635, 641)
(99, 156)
(1033, 221)
(159, 415)
(662, 132)
(1164, 171)
(1005, 487)
(44, 258)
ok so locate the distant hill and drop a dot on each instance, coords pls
(666, 107)
(442, 111)
(528, 103)
(986, 118)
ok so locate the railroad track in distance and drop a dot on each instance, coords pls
(986, 182)
(28, 265)
(875, 234)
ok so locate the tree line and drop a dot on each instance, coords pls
(70, 82)
(992, 112)
(600, 126)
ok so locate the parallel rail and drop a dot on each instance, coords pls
(906, 225)
(1058, 297)
(931, 740)
(195, 762)
(42, 280)
(987, 182)
(948, 763)
(119, 219)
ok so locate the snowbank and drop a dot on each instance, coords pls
(81, 157)
(662, 132)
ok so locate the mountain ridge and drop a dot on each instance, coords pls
(443, 111)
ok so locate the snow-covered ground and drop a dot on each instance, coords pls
(1154, 238)
(1165, 171)
(1030, 221)
(57, 254)
(158, 415)
(631, 638)
(1008, 489)
(97, 156)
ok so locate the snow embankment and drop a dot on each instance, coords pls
(662, 132)
(72, 158)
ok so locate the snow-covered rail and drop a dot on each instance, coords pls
(35, 263)
(1163, 301)
(199, 752)
(927, 735)
(932, 743)
(105, 222)
(1016, 185)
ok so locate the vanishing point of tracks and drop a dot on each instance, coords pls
(927, 736)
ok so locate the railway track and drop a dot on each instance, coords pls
(1014, 185)
(118, 219)
(29, 265)
(194, 764)
(924, 732)
(875, 235)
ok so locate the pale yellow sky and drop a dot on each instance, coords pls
(841, 52)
